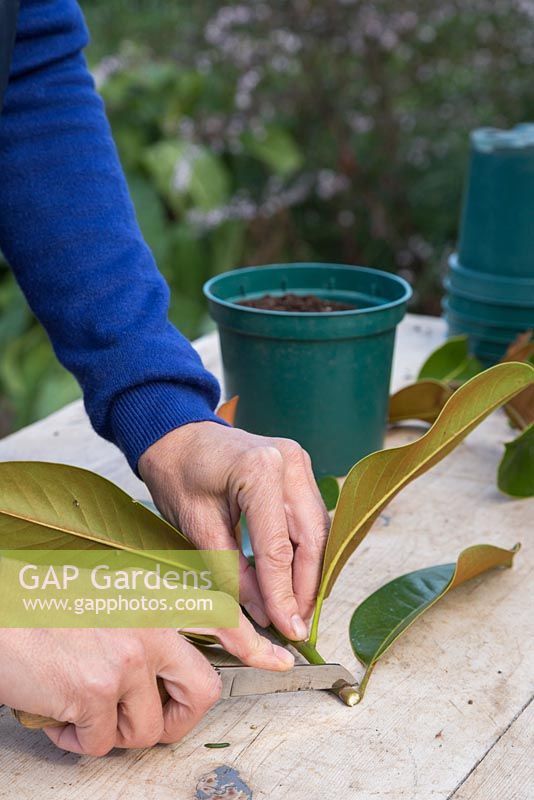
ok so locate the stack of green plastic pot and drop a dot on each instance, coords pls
(490, 284)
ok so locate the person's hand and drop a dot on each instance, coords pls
(102, 682)
(203, 475)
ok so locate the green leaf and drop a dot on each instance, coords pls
(187, 175)
(57, 388)
(33, 378)
(377, 478)
(209, 182)
(423, 400)
(516, 470)
(188, 262)
(14, 312)
(329, 488)
(379, 621)
(227, 246)
(451, 362)
(150, 505)
(57, 507)
(131, 141)
(276, 148)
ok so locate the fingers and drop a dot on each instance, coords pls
(193, 685)
(258, 486)
(212, 530)
(250, 647)
(121, 706)
(140, 715)
(250, 595)
(94, 736)
(308, 524)
(223, 471)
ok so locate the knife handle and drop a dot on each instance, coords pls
(36, 722)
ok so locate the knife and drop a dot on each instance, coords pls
(247, 682)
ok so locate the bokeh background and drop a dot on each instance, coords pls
(289, 130)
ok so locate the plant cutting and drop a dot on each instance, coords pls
(439, 377)
(386, 614)
(56, 504)
(376, 479)
(311, 338)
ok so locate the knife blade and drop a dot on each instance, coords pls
(246, 681)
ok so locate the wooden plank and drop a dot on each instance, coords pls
(507, 772)
(434, 707)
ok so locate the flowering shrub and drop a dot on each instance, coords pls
(332, 130)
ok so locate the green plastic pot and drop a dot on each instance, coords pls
(491, 314)
(488, 353)
(320, 378)
(490, 288)
(497, 231)
(490, 333)
(487, 361)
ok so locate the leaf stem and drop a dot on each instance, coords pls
(350, 695)
(314, 630)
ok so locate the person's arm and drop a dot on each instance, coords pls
(68, 229)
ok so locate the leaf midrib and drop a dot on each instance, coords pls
(385, 498)
(110, 544)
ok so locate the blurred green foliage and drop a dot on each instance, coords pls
(330, 130)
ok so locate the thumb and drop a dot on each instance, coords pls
(246, 644)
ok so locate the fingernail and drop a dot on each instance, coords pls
(258, 615)
(299, 627)
(283, 655)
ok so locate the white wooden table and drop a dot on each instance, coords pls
(446, 714)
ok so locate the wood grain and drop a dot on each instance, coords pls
(507, 771)
(437, 704)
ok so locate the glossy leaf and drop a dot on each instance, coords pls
(384, 616)
(377, 478)
(516, 470)
(54, 506)
(422, 400)
(329, 488)
(451, 363)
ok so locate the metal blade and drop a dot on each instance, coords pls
(245, 681)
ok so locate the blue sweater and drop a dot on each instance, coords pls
(69, 232)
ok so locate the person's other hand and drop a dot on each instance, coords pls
(203, 475)
(103, 682)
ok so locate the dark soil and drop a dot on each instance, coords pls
(295, 302)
